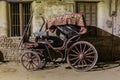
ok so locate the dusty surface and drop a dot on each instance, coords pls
(14, 71)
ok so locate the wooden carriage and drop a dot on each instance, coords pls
(65, 45)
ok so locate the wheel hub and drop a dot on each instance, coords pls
(30, 60)
(81, 56)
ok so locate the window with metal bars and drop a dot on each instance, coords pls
(89, 10)
(19, 15)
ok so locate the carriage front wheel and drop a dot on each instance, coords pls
(30, 60)
(82, 56)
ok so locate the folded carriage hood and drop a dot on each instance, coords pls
(74, 19)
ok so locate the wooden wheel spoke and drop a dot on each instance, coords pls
(26, 55)
(74, 51)
(87, 54)
(90, 56)
(33, 57)
(36, 59)
(31, 66)
(85, 62)
(72, 55)
(82, 64)
(75, 62)
(29, 55)
(34, 64)
(27, 64)
(24, 59)
(89, 60)
(79, 62)
(77, 49)
(88, 50)
(84, 48)
(81, 48)
(73, 58)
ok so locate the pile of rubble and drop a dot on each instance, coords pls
(9, 48)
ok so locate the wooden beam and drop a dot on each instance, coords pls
(21, 18)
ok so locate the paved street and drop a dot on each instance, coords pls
(14, 71)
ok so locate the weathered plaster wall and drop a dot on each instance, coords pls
(3, 18)
(50, 8)
(103, 16)
(105, 21)
(117, 21)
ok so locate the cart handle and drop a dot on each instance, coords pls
(43, 21)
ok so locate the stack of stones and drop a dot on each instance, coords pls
(9, 47)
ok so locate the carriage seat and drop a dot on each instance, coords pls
(54, 41)
(67, 30)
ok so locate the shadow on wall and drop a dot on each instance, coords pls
(107, 45)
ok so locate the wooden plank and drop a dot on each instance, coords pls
(21, 18)
(9, 11)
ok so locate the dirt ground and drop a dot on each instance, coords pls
(104, 71)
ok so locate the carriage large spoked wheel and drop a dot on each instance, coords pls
(82, 56)
(30, 60)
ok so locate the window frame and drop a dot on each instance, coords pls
(77, 10)
(20, 16)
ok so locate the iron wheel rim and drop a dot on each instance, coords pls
(84, 58)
